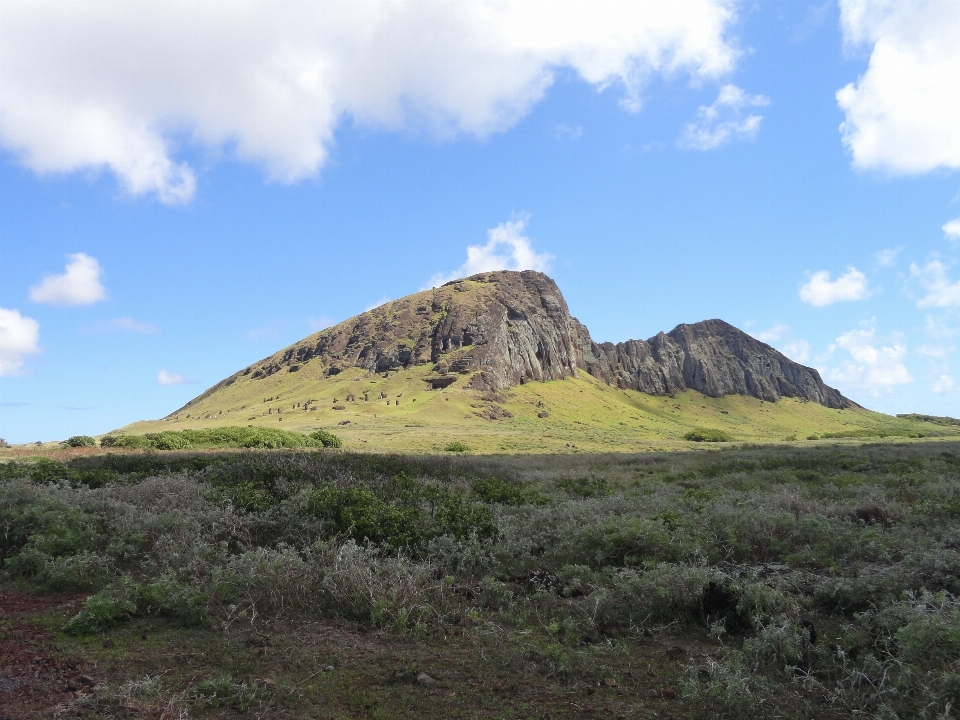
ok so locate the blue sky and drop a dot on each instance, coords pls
(181, 196)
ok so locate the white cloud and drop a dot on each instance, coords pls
(382, 300)
(119, 86)
(821, 291)
(872, 368)
(320, 323)
(936, 328)
(508, 237)
(952, 230)
(724, 120)
(78, 285)
(887, 257)
(901, 114)
(164, 377)
(771, 334)
(935, 351)
(567, 132)
(124, 324)
(944, 385)
(940, 291)
(271, 330)
(796, 350)
(19, 336)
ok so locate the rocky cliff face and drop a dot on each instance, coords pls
(501, 329)
(711, 357)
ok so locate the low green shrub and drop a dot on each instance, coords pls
(169, 440)
(456, 446)
(708, 435)
(591, 486)
(327, 439)
(100, 612)
(494, 490)
(80, 441)
(248, 496)
(224, 691)
(135, 442)
(400, 513)
(244, 437)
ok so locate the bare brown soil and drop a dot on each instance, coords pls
(37, 678)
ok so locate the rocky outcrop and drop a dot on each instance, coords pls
(501, 329)
(711, 357)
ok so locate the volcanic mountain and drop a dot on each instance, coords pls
(496, 361)
(496, 330)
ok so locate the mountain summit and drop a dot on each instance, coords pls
(496, 330)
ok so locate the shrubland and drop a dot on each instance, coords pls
(220, 437)
(817, 582)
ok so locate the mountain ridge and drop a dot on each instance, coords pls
(496, 330)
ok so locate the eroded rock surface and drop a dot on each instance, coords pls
(501, 329)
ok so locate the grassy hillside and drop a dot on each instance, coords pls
(402, 413)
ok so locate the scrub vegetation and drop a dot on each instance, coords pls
(740, 582)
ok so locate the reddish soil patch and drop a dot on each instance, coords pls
(35, 678)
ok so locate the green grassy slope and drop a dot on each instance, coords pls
(581, 414)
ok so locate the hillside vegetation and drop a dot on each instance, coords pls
(765, 582)
(399, 411)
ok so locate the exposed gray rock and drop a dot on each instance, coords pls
(506, 328)
(711, 357)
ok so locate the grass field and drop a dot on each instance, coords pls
(581, 414)
(779, 581)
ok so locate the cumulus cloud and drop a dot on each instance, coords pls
(888, 257)
(78, 285)
(935, 351)
(165, 377)
(771, 334)
(901, 114)
(936, 328)
(796, 350)
(941, 293)
(320, 323)
(507, 248)
(952, 230)
(121, 86)
(19, 336)
(821, 291)
(944, 385)
(872, 366)
(727, 118)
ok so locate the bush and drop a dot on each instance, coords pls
(403, 513)
(81, 441)
(456, 446)
(327, 439)
(708, 435)
(100, 612)
(244, 437)
(170, 441)
(138, 442)
(493, 490)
